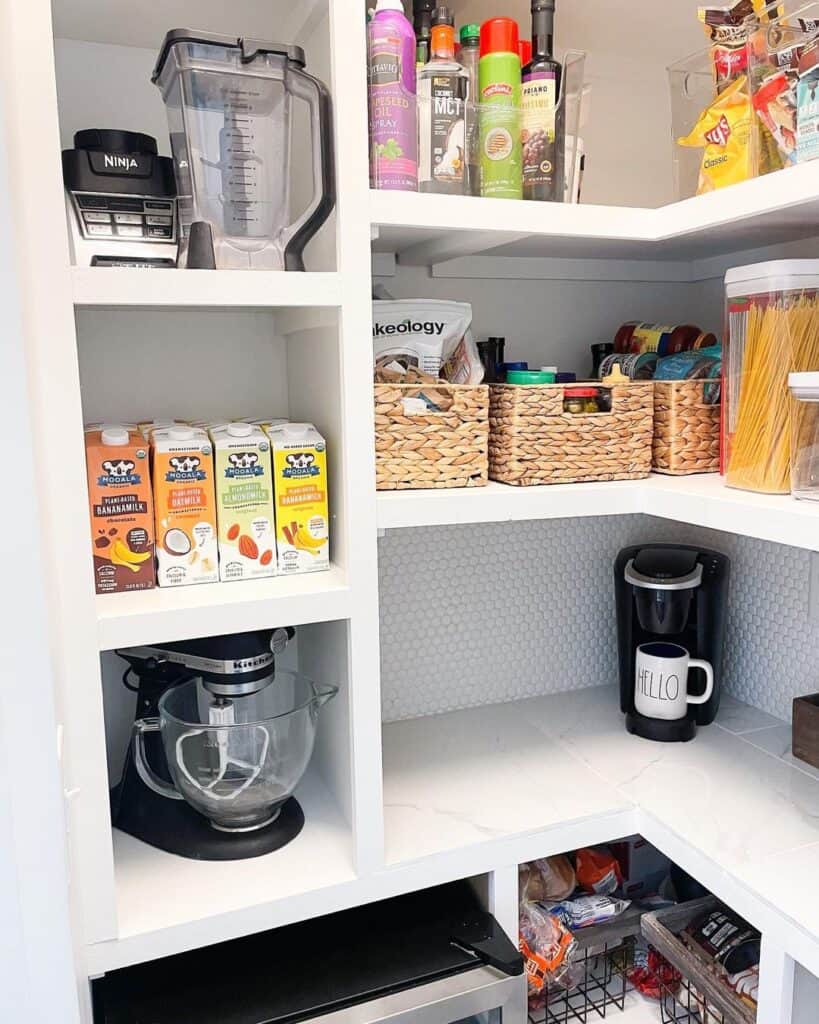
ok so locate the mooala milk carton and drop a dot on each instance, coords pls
(122, 514)
(300, 485)
(184, 506)
(244, 502)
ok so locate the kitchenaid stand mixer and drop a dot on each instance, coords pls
(220, 741)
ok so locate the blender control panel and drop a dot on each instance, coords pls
(131, 218)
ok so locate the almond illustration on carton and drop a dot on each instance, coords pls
(248, 547)
(267, 557)
(233, 532)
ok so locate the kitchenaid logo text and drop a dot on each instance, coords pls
(119, 163)
(409, 327)
(118, 472)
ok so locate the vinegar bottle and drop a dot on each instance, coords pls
(541, 118)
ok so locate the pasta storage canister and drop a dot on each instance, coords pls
(805, 435)
(772, 330)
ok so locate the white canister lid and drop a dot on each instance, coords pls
(805, 386)
(115, 436)
(772, 276)
(180, 432)
(240, 429)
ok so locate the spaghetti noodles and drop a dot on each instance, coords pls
(768, 338)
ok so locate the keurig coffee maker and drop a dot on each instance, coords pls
(671, 604)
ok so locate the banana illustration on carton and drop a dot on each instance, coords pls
(121, 554)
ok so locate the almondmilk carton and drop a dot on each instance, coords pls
(244, 502)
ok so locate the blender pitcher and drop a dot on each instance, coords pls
(229, 106)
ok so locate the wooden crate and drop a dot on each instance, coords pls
(686, 428)
(533, 441)
(661, 928)
(431, 449)
(805, 743)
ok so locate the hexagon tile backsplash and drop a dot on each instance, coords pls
(492, 612)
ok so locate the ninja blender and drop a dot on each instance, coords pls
(220, 741)
(230, 113)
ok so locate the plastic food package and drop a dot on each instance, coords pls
(727, 29)
(725, 937)
(548, 948)
(429, 335)
(584, 911)
(652, 975)
(597, 870)
(551, 878)
(723, 130)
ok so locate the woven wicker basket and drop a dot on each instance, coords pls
(686, 430)
(533, 441)
(433, 449)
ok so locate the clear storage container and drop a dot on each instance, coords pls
(783, 67)
(498, 132)
(772, 330)
(805, 435)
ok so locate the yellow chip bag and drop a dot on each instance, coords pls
(724, 129)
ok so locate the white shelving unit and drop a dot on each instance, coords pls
(101, 342)
(703, 500)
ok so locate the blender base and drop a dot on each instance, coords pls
(173, 826)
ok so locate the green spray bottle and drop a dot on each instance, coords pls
(499, 118)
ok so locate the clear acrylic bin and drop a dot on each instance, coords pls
(724, 155)
(783, 65)
(805, 435)
(498, 133)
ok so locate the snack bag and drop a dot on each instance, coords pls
(724, 131)
(728, 29)
(597, 870)
(548, 949)
(583, 911)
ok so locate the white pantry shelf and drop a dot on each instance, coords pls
(168, 904)
(431, 229)
(702, 500)
(210, 609)
(203, 289)
(124, 23)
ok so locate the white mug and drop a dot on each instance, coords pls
(661, 680)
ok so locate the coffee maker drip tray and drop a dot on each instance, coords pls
(175, 827)
(680, 730)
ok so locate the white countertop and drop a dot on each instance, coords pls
(733, 801)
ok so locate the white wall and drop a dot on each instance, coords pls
(512, 610)
(555, 322)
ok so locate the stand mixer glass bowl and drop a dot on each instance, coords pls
(235, 760)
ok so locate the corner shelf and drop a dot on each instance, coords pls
(203, 289)
(178, 613)
(432, 229)
(701, 500)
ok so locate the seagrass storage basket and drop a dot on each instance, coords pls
(686, 427)
(431, 449)
(533, 441)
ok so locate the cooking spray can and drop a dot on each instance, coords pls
(392, 102)
(499, 119)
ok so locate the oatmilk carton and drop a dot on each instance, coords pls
(184, 506)
(300, 484)
(244, 502)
